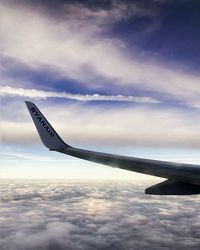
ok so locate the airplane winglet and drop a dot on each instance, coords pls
(48, 135)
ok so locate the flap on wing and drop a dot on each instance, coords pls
(173, 187)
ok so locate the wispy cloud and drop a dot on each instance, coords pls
(100, 125)
(41, 94)
(27, 156)
(84, 54)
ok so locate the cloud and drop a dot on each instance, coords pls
(41, 94)
(27, 156)
(86, 54)
(103, 124)
(80, 216)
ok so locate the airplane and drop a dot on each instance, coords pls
(182, 179)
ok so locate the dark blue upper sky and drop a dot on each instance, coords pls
(176, 22)
(166, 30)
(171, 29)
(172, 33)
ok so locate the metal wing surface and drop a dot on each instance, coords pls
(182, 179)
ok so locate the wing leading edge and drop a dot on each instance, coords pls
(182, 179)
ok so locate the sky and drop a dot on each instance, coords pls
(114, 76)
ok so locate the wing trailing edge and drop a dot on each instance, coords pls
(182, 179)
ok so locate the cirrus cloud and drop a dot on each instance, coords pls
(84, 54)
(41, 94)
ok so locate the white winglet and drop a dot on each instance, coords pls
(46, 132)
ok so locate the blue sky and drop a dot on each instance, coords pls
(115, 76)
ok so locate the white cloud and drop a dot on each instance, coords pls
(104, 125)
(43, 41)
(28, 156)
(58, 215)
(83, 54)
(41, 94)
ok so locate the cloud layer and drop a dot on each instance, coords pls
(103, 124)
(95, 216)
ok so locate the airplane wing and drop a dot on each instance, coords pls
(182, 179)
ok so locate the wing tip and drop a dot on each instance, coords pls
(47, 133)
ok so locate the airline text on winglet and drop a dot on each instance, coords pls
(42, 122)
